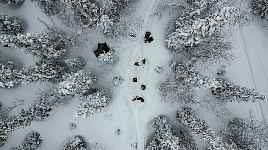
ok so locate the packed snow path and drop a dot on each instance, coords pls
(130, 88)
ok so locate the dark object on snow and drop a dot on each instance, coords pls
(143, 87)
(143, 61)
(102, 48)
(138, 98)
(147, 35)
(137, 64)
(150, 39)
(135, 80)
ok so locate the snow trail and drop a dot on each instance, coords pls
(248, 67)
(131, 89)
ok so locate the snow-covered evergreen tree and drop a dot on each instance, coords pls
(221, 89)
(39, 45)
(76, 62)
(173, 91)
(92, 103)
(86, 12)
(164, 138)
(44, 72)
(187, 140)
(248, 134)
(18, 2)
(32, 141)
(9, 75)
(76, 83)
(193, 28)
(228, 91)
(260, 8)
(106, 24)
(75, 143)
(10, 25)
(49, 7)
(200, 127)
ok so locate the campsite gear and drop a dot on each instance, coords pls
(150, 39)
(143, 87)
(136, 64)
(143, 61)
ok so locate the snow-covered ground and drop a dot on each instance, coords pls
(249, 69)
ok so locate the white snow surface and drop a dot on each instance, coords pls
(250, 69)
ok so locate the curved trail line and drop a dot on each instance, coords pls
(130, 89)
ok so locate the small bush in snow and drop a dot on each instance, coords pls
(44, 72)
(164, 138)
(107, 57)
(248, 134)
(32, 141)
(9, 75)
(159, 69)
(92, 103)
(118, 80)
(76, 62)
(72, 126)
(76, 83)
(75, 143)
(10, 25)
(260, 8)
(39, 45)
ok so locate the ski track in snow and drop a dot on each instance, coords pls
(130, 89)
(245, 64)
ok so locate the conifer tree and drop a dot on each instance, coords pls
(10, 25)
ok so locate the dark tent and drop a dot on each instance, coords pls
(102, 48)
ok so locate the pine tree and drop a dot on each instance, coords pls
(18, 2)
(260, 8)
(227, 91)
(76, 83)
(10, 25)
(92, 103)
(9, 75)
(86, 12)
(164, 138)
(49, 7)
(221, 89)
(32, 141)
(44, 72)
(75, 143)
(172, 91)
(248, 134)
(39, 45)
(200, 127)
(106, 24)
(76, 62)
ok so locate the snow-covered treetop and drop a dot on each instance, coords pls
(40, 45)
(10, 25)
(76, 83)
